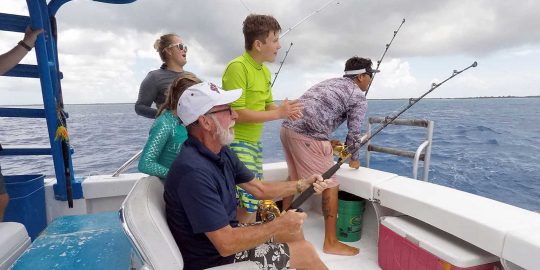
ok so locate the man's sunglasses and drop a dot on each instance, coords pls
(222, 110)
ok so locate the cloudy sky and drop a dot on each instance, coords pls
(106, 50)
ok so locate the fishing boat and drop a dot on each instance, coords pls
(117, 221)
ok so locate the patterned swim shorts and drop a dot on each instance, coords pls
(251, 155)
(267, 256)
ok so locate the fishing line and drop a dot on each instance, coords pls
(281, 64)
(294, 26)
(307, 17)
(244, 4)
(384, 53)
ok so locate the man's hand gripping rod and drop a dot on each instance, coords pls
(310, 191)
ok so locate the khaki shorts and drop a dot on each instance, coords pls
(306, 156)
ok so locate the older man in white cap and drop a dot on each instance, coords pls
(200, 194)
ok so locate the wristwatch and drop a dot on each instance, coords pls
(24, 45)
(300, 186)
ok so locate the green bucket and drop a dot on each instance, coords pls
(349, 221)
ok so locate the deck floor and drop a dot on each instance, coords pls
(89, 242)
(365, 260)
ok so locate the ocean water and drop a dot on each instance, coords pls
(489, 147)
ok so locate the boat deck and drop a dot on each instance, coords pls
(94, 241)
(366, 259)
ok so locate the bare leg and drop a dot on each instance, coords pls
(329, 208)
(244, 216)
(304, 256)
(4, 199)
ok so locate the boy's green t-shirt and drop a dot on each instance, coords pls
(254, 79)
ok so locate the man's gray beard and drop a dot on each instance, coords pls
(225, 137)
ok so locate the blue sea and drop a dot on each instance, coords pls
(489, 147)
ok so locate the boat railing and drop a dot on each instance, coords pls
(422, 153)
(126, 164)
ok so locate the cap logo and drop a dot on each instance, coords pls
(214, 88)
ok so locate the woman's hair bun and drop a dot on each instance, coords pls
(156, 44)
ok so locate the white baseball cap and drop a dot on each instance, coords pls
(200, 98)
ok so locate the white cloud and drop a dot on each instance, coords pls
(394, 81)
(106, 50)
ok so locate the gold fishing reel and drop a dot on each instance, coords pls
(340, 149)
(268, 210)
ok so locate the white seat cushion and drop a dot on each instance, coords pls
(13, 242)
(144, 221)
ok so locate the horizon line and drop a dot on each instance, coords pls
(111, 103)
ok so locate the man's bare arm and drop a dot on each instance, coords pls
(229, 241)
(263, 190)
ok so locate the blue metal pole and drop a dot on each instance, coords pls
(47, 67)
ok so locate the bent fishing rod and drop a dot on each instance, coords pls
(281, 64)
(384, 53)
(388, 120)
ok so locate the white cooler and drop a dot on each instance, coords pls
(13, 242)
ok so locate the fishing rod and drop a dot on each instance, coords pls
(384, 53)
(281, 64)
(388, 120)
(307, 17)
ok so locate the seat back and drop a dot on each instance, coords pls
(143, 219)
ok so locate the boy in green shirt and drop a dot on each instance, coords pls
(256, 105)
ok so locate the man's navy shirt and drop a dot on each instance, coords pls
(200, 196)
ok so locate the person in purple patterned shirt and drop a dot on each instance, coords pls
(306, 141)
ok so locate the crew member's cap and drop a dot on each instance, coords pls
(361, 71)
(200, 98)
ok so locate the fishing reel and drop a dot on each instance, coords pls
(267, 210)
(340, 149)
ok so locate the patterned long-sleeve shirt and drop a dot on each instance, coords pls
(326, 106)
(164, 142)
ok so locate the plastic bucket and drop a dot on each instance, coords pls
(26, 202)
(349, 221)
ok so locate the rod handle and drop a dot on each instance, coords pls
(311, 190)
(332, 170)
(302, 198)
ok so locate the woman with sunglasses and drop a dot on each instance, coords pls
(172, 52)
(167, 133)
